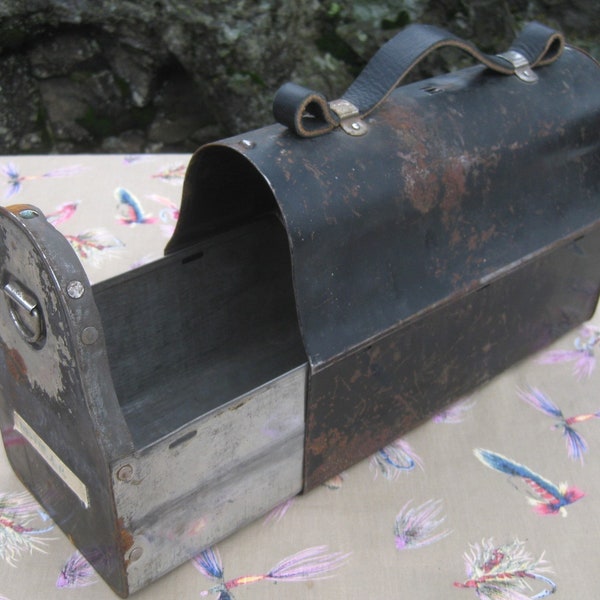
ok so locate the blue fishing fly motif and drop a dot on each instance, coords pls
(576, 445)
(130, 209)
(549, 499)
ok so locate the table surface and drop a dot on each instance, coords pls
(462, 507)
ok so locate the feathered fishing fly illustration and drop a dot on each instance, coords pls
(307, 565)
(132, 159)
(76, 573)
(576, 445)
(173, 174)
(168, 215)
(130, 209)
(94, 244)
(416, 527)
(549, 499)
(14, 179)
(18, 535)
(505, 572)
(275, 515)
(62, 213)
(394, 459)
(455, 413)
(171, 210)
(336, 482)
(583, 356)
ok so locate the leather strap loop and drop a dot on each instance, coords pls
(302, 110)
(539, 44)
(308, 113)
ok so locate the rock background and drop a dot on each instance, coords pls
(169, 75)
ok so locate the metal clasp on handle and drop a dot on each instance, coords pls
(25, 312)
(349, 117)
(521, 66)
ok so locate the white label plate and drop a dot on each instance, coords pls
(54, 462)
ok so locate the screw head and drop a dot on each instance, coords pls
(248, 144)
(89, 335)
(75, 289)
(135, 553)
(125, 473)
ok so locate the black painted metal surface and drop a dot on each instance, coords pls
(465, 182)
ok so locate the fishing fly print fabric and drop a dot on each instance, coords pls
(495, 498)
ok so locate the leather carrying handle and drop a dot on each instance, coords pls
(309, 114)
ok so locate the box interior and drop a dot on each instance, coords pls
(200, 327)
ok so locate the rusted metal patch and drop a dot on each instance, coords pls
(125, 539)
(375, 395)
(17, 367)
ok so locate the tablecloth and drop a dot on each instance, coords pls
(496, 497)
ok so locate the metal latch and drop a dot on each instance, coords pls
(349, 117)
(24, 312)
(523, 69)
